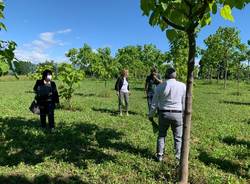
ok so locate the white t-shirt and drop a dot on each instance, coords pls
(124, 88)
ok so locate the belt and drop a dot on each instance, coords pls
(173, 111)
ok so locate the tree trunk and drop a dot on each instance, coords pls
(225, 76)
(218, 76)
(248, 70)
(188, 110)
(238, 81)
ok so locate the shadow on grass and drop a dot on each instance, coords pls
(233, 141)
(246, 121)
(85, 95)
(112, 112)
(235, 103)
(103, 139)
(42, 179)
(138, 89)
(212, 93)
(225, 165)
(23, 140)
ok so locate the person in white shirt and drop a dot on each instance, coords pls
(169, 99)
(122, 90)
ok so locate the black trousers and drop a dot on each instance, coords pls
(47, 109)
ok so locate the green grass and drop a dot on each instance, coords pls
(94, 145)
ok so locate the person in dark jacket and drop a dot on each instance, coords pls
(152, 81)
(47, 97)
(122, 90)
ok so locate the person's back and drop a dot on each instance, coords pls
(172, 95)
(169, 100)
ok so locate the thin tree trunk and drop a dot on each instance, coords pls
(218, 76)
(238, 81)
(248, 70)
(225, 76)
(188, 110)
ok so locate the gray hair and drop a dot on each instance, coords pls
(170, 73)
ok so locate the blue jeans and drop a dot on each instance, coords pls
(175, 120)
(150, 99)
(47, 109)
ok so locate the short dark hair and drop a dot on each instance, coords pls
(45, 73)
(170, 73)
(153, 69)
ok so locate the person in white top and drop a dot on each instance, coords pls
(122, 91)
(169, 99)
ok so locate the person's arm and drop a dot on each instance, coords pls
(117, 85)
(158, 79)
(183, 97)
(56, 96)
(35, 88)
(154, 104)
(146, 86)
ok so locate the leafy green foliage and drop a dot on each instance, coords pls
(6, 47)
(104, 66)
(178, 54)
(222, 54)
(83, 58)
(24, 67)
(39, 70)
(226, 13)
(70, 78)
(7, 53)
(140, 59)
(2, 6)
(4, 68)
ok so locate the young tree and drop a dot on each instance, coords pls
(6, 47)
(104, 66)
(4, 68)
(70, 78)
(187, 16)
(7, 54)
(39, 70)
(24, 67)
(221, 47)
(82, 58)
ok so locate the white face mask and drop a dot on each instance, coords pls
(49, 77)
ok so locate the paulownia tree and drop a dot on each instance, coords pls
(6, 47)
(187, 16)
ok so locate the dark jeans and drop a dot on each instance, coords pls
(47, 109)
(149, 99)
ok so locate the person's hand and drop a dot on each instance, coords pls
(117, 93)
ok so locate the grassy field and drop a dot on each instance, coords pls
(94, 145)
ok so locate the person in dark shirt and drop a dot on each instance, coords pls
(152, 81)
(47, 97)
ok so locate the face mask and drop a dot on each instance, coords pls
(49, 77)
